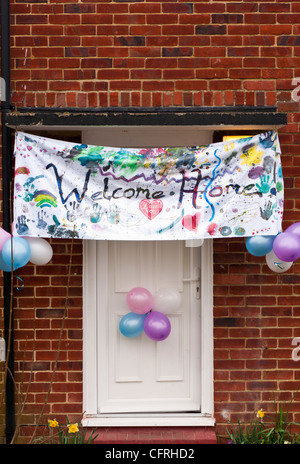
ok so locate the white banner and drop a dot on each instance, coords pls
(227, 189)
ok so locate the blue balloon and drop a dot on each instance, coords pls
(21, 252)
(132, 324)
(5, 267)
(260, 245)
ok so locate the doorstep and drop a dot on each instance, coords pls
(155, 435)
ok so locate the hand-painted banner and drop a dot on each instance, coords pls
(226, 189)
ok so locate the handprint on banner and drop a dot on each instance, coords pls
(96, 214)
(265, 184)
(267, 212)
(21, 226)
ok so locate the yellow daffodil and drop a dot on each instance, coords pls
(73, 428)
(53, 423)
(260, 413)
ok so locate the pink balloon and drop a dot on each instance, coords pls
(4, 236)
(139, 300)
(157, 326)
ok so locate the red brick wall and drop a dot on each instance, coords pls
(148, 53)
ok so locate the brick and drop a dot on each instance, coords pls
(31, 19)
(243, 51)
(245, 73)
(137, 41)
(47, 30)
(238, 29)
(80, 30)
(161, 19)
(145, 8)
(64, 19)
(276, 29)
(178, 51)
(191, 85)
(265, 51)
(129, 19)
(288, 18)
(194, 19)
(80, 51)
(215, 7)
(227, 18)
(197, 41)
(275, 8)
(254, 62)
(288, 62)
(161, 41)
(153, 85)
(79, 8)
(185, 29)
(145, 30)
(256, 18)
(146, 73)
(145, 51)
(222, 85)
(211, 73)
(96, 63)
(211, 30)
(259, 85)
(193, 62)
(259, 40)
(113, 30)
(210, 51)
(96, 18)
(161, 63)
(226, 62)
(178, 7)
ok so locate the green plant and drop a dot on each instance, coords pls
(245, 434)
(260, 431)
(70, 434)
(280, 433)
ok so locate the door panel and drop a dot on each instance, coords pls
(139, 374)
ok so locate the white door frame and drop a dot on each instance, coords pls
(90, 365)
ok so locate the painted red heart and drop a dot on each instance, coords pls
(151, 208)
(191, 222)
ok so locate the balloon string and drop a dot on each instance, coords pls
(22, 283)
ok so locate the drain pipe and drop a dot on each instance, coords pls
(6, 185)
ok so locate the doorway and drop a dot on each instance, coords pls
(140, 381)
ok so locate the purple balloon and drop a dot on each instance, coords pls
(157, 326)
(286, 246)
(294, 229)
(139, 300)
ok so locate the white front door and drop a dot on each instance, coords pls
(137, 375)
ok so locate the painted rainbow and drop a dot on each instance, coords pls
(45, 198)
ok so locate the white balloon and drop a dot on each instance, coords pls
(41, 250)
(167, 300)
(194, 243)
(275, 264)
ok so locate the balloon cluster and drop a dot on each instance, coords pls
(16, 252)
(146, 313)
(280, 250)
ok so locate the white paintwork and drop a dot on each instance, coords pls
(108, 384)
